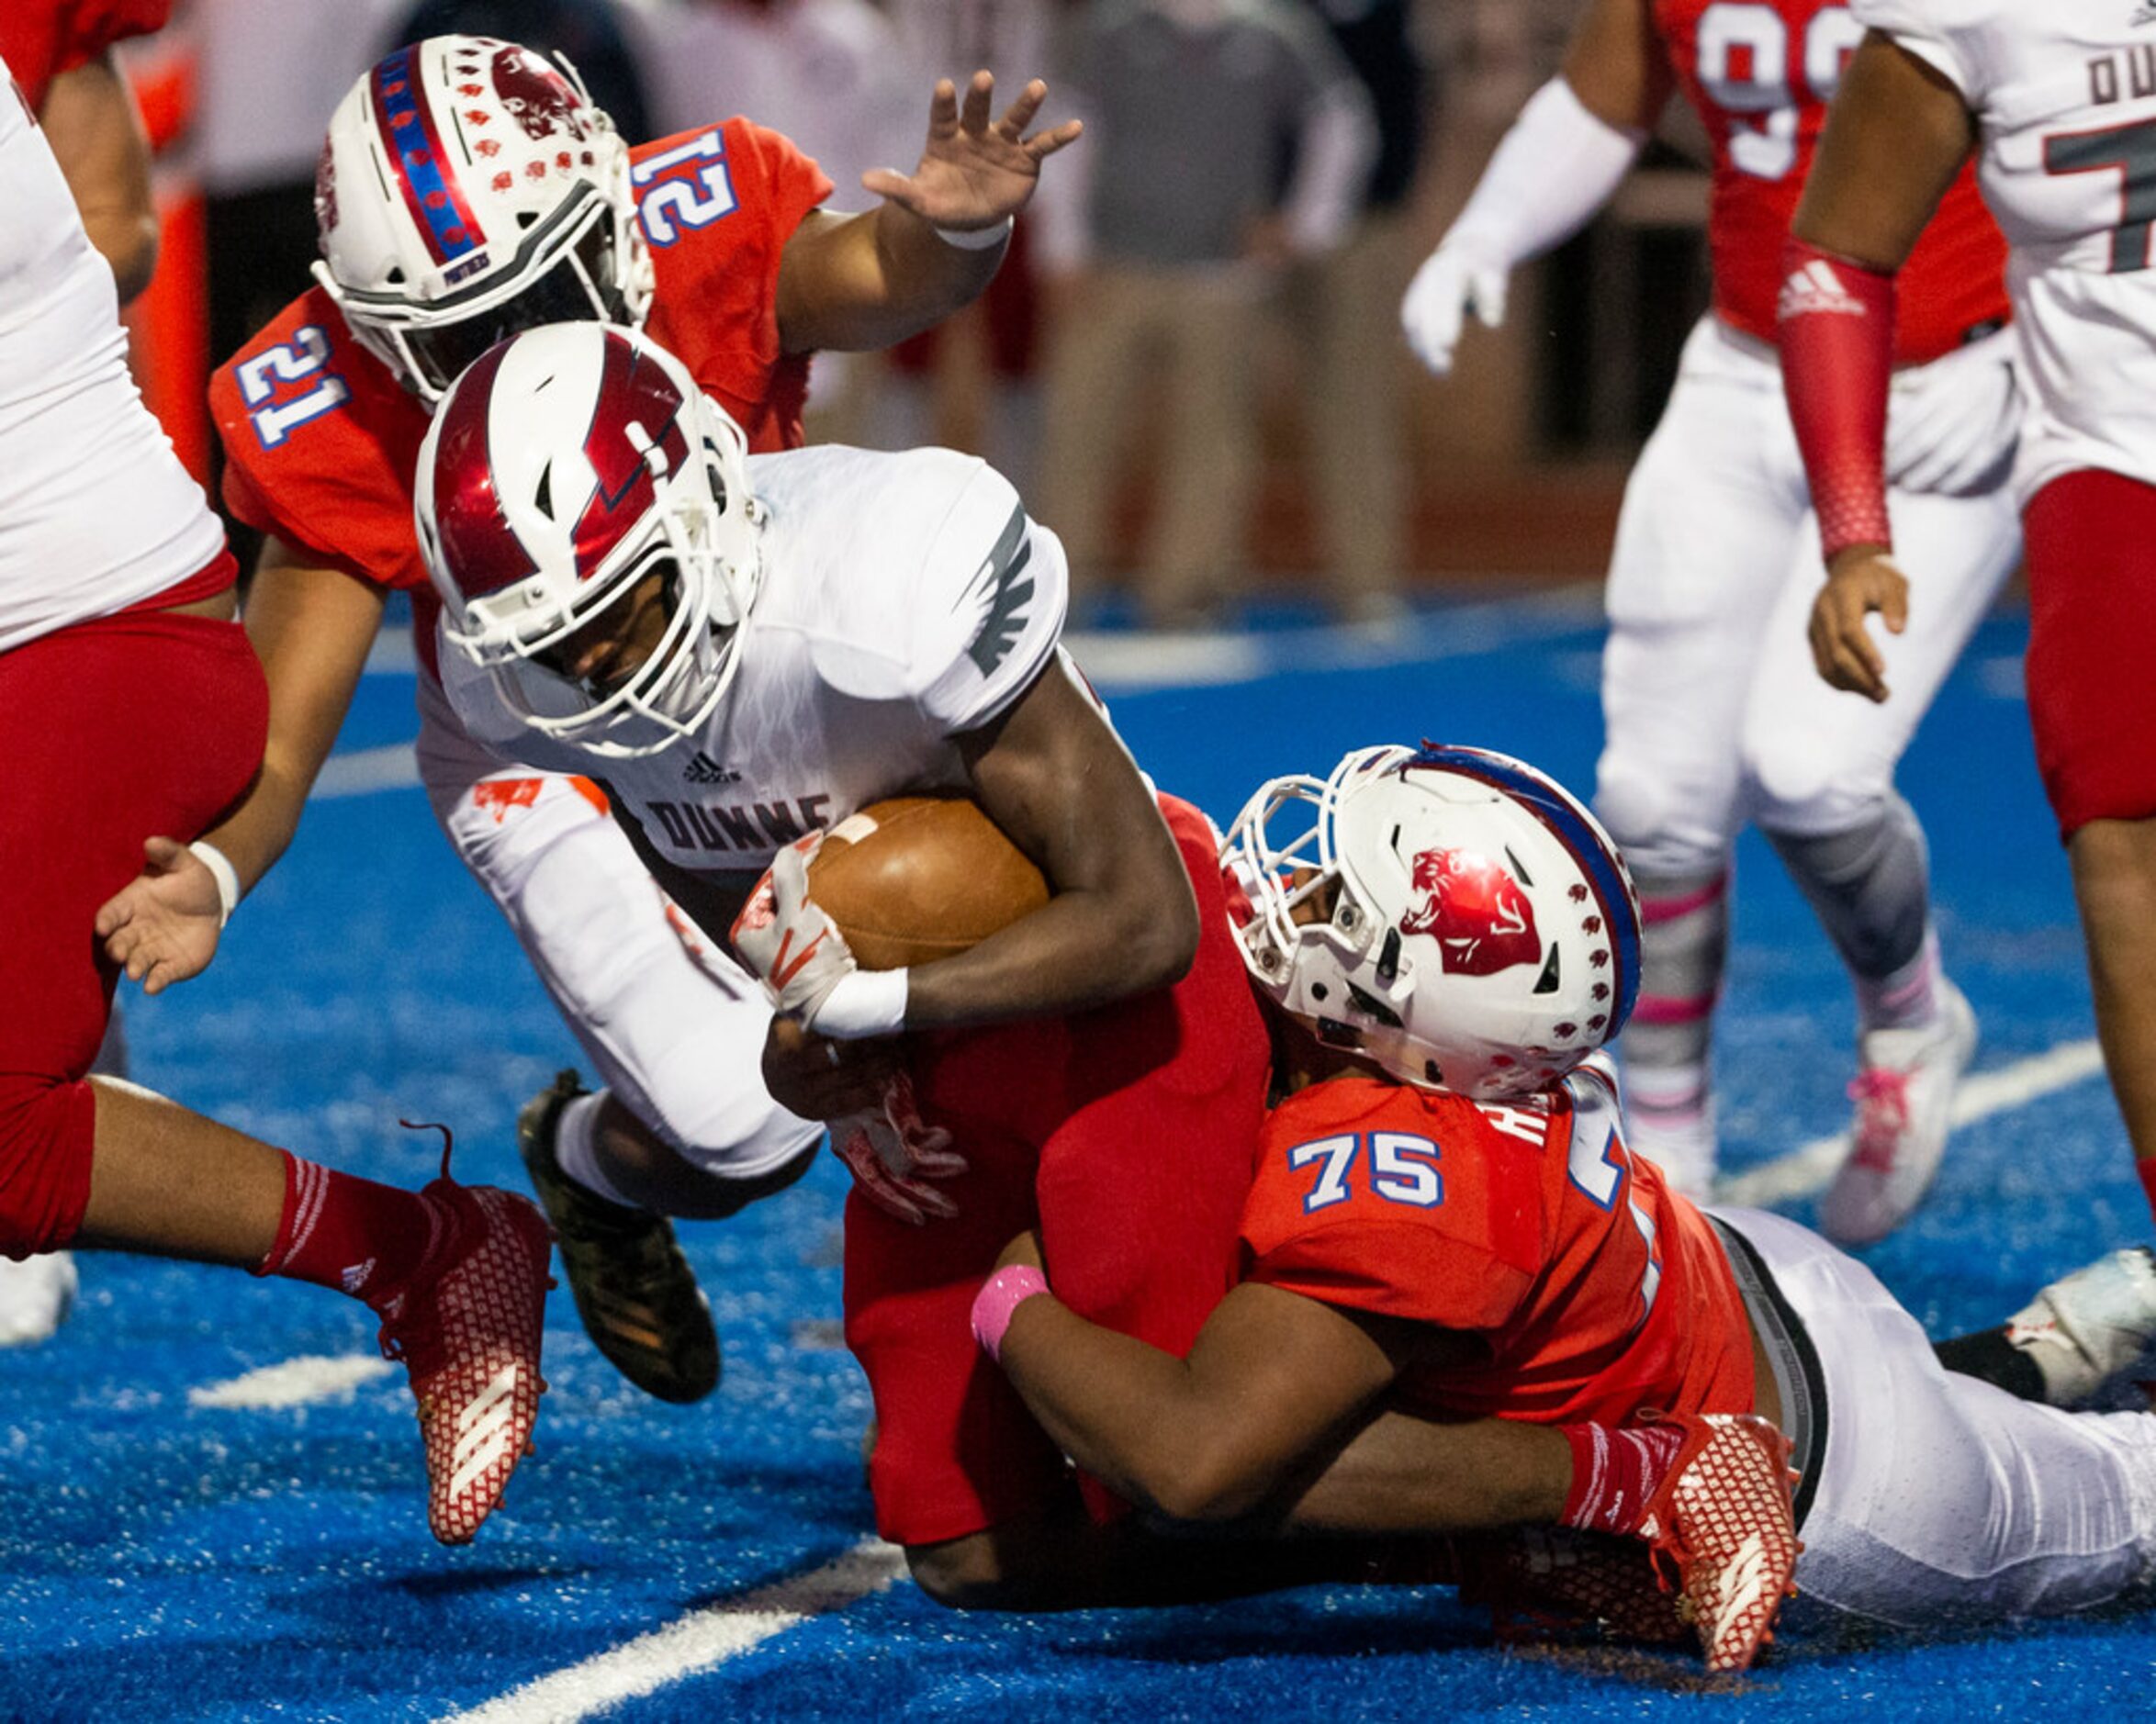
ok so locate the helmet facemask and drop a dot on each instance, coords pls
(564, 246)
(703, 540)
(1449, 914)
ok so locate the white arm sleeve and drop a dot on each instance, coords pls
(1556, 166)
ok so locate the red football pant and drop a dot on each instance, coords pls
(1127, 1136)
(2091, 539)
(117, 729)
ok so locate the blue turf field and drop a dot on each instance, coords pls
(165, 1556)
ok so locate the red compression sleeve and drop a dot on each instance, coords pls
(1837, 340)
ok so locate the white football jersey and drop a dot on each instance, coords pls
(96, 513)
(2064, 94)
(906, 598)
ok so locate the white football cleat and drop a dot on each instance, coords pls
(2092, 1326)
(1904, 1096)
(36, 1295)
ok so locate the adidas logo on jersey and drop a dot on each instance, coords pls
(702, 769)
(1816, 288)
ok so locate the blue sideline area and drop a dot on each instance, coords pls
(164, 1559)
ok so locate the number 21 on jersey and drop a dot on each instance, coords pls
(686, 186)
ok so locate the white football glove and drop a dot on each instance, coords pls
(893, 1154)
(1454, 280)
(807, 967)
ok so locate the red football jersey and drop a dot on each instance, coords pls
(1594, 1290)
(1761, 72)
(321, 439)
(41, 39)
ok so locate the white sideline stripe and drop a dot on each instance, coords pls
(706, 1637)
(1808, 1170)
(301, 1382)
(365, 770)
(1135, 663)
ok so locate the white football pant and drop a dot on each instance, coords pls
(1713, 714)
(679, 1041)
(1941, 1497)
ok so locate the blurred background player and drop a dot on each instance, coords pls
(135, 712)
(1447, 1225)
(60, 54)
(1713, 714)
(1168, 273)
(438, 241)
(626, 591)
(2055, 101)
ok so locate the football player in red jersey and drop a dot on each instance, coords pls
(1461, 1290)
(60, 54)
(134, 706)
(1713, 714)
(468, 189)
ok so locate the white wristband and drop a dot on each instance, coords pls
(865, 1003)
(977, 238)
(226, 877)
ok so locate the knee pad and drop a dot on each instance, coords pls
(1869, 885)
(1663, 836)
(1797, 786)
(48, 1134)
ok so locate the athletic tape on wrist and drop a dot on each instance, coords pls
(226, 877)
(1000, 1294)
(864, 1002)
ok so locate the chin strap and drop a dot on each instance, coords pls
(1838, 333)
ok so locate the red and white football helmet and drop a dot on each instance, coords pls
(468, 189)
(565, 466)
(1482, 935)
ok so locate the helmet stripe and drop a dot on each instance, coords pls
(1556, 810)
(479, 547)
(405, 119)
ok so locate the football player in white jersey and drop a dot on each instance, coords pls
(2058, 103)
(1713, 714)
(133, 707)
(743, 649)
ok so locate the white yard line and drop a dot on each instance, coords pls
(1807, 1170)
(302, 1382)
(696, 1642)
(364, 771)
(1138, 663)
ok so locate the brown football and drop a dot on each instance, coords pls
(919, 878)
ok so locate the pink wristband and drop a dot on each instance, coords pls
(1000, 1294)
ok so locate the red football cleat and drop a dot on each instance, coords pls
(1539, 1580)
(468, 1333)
(1722, 1518)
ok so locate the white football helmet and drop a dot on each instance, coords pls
(468, 189)
(1464, 923)
(564, 466)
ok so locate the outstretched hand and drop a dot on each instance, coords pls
(162, 926)
(973, 174)
(1862, 579)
